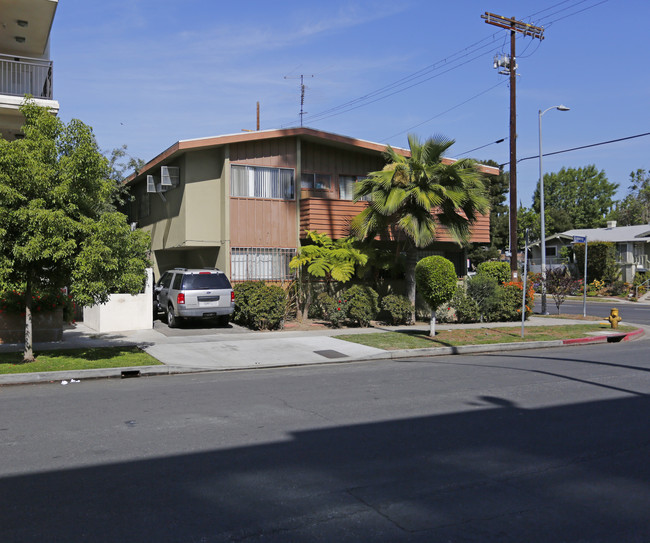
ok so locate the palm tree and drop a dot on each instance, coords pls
(412, 195)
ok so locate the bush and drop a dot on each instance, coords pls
(499, 270)
(508, 305)
(482, 289)
(399, 308)
(259, 306)
(601, 260)
(13, 301)
(362, 304)
(435, 277)
(465, 307)
(332, 309)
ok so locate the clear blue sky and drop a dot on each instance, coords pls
(148, 73)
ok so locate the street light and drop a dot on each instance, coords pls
(541, 205)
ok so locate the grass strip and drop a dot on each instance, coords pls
(77, 359)
(419, 339)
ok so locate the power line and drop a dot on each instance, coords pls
(481, 147)
(582, 147)
(448, 110)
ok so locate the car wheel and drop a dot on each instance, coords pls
(172, 320)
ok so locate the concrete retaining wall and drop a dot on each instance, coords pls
(123, 312)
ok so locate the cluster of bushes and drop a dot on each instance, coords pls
(358, 305)
(488, 296)
(13, 301)
(263, 307)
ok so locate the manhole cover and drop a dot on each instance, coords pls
(329, 353)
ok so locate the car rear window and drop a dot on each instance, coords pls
(202, 281)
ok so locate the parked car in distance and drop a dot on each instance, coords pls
(184, 293)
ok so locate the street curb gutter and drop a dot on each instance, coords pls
(152, 371)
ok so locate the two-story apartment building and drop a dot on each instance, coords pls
(242, 202)
(25, 65)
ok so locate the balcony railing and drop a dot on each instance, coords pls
(20, 76)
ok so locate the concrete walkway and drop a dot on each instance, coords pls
(236, 348)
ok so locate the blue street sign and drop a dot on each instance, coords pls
(579, 239)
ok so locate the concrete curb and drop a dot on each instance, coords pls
(152, 371)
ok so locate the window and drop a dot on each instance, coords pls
(259, 182)
(316, 181)
(178, 278)
(143, 204)
(254, 263)
(551, 251)
(346, 187)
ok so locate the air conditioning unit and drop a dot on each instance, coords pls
(170, 176)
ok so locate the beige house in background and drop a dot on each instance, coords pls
(242, 202)
(632, 247)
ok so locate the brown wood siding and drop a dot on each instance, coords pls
(262, 223)
(274, 153)
(333, 217)
(318, 158)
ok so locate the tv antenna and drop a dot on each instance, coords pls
(302, 93)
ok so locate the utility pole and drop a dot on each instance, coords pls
(510, 65)
(302, 93)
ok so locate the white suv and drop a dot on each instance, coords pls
(194, 293)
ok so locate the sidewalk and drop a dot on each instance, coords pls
(237, 348)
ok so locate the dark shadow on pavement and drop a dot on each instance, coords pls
(495, 473)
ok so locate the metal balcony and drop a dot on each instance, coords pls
(22, 75)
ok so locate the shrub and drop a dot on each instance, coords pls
(435, 277)
(465, 307)
(362, 304)
(508, 305)
(399, 308)
(601, 260)
(332, 309)
(259, 306)
(499, 270)
(13, 301)
(482, 289)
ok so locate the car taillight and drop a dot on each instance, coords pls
(232, 296)
(180, 299)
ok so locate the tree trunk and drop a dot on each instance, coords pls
(411, 261)
(432, 324)
(28, 354)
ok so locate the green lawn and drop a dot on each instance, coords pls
(77, 359)
(419, 339)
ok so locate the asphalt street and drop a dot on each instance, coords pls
(545, 446)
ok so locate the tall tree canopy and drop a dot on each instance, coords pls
(410, 191)
(635, 207)
(58, 226)
(583, 195)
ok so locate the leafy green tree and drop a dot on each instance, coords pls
(584, 195)
(327, 259)
(635, 207)
(121, 164)
(56, 227)
(436, 280)
(411, 195)
(498, 186)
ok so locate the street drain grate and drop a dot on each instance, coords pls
(329, 353)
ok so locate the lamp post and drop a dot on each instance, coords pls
(541, 205)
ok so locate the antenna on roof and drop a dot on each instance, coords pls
(302, 92)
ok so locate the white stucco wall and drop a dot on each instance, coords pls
(123, 311)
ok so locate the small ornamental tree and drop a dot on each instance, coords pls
(435, 278)
(326, 259)
(58, 224)
(560, 284)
